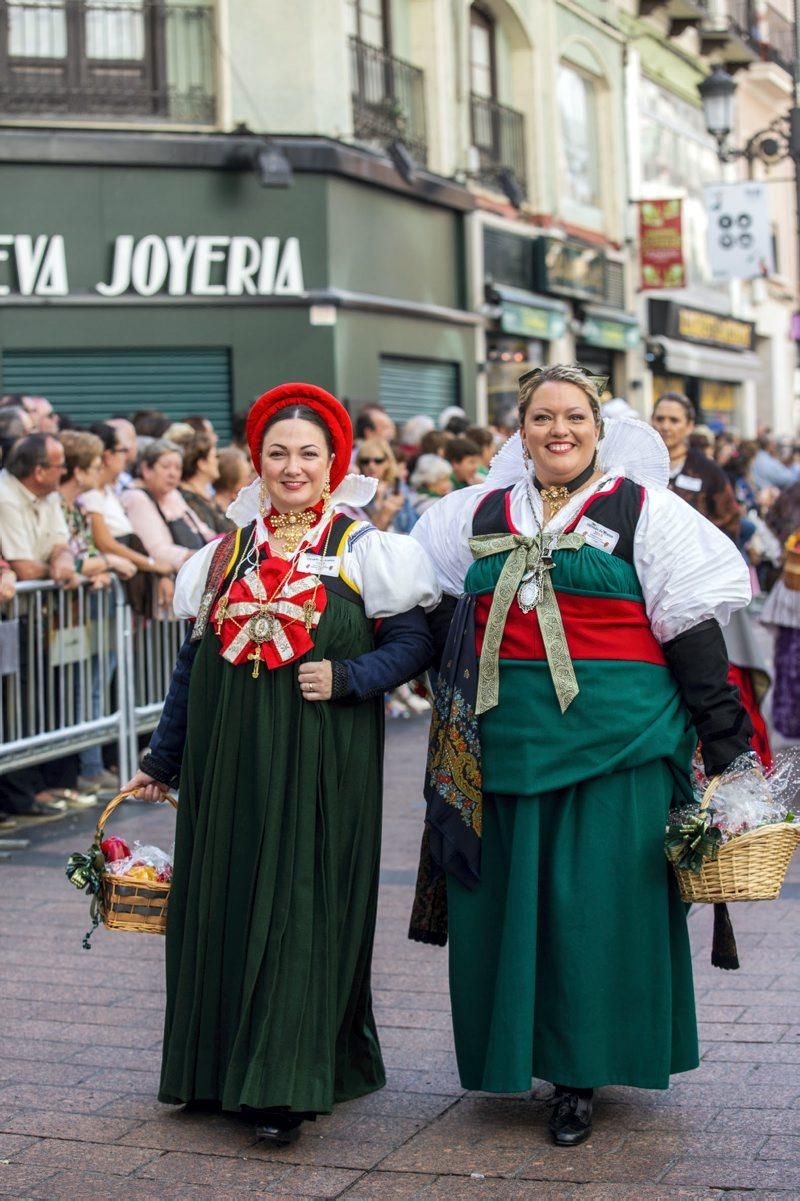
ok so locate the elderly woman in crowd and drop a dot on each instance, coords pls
(158, 513)
(235, 473)
(83, 460)
(591, 597)
(430, 480)
(200, 474)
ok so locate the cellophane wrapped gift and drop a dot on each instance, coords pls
(146, 863)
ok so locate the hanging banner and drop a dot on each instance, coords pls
(661, 244)
(739, 232)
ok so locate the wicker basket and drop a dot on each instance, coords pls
(750, 867)
(126, 904)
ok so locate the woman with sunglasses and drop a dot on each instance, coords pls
(391, 508)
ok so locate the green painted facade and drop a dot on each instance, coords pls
(363, 248)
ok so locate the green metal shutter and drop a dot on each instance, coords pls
(409, 387)
(91, 385)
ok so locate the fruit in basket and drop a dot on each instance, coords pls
(165, 875)
(141, 871)
(115, 848)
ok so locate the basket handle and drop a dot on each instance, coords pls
(711, 788)
(112, 805)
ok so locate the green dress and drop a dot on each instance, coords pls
(272, 908)
(570, 960)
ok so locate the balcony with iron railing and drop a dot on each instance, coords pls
(772, 35)
(498, 134)
(388, 99)
(101, 60)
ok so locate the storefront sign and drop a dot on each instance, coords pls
(739, 232)
(195, 265)
(696, 325)
(570, 269)
(613, 335)
(528, 322)
(661, 244)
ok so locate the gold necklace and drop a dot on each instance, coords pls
(555, 498)
(291, 528)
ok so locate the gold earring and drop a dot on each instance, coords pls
(326, 490)
(262, 497)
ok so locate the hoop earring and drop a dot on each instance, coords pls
(262, 497)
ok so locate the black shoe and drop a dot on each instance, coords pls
(571, 1118)
(203, 1106)
(281, 1131)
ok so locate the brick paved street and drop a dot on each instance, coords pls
(79, 1055)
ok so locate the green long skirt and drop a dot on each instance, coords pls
(570, 961)
(272, 909)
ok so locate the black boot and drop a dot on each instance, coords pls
(571, 1117)
(278, 1128)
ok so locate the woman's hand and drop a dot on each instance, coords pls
(100, 582)
(316, 680)
(146, 787)
(166, 591)
(388, 510)
(8, 584)
(123, 567)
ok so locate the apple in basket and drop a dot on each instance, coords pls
(115, 848)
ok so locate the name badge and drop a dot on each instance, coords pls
(318, 564)
(597, 535)
(689, 483)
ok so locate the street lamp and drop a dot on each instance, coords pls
(780, 139)
(717, 92)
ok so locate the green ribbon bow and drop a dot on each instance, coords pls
(526, 556)
(691, 840)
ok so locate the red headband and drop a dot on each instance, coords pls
(326, 406)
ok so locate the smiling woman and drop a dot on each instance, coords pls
(589, 658)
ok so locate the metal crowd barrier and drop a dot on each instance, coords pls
(78, 668)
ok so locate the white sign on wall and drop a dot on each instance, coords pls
(739, 232)
(194, 265)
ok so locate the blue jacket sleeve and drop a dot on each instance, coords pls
(403, 649)
(163, 758)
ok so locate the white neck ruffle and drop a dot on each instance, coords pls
(628, 447)
(355, 490)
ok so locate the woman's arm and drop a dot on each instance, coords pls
(107, 544)
(403, 649)
(162, 761)
(152, 529)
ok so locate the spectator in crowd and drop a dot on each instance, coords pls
(169, 530)
(238, 434)
(391, 508)
(413, 431)
(464, 458)
(14, 424)
(201, 425)
(768, 470)
(434, 443)
(200, 474)
(126, 439)
(181, 433)
(702, 439)
(112, 531)
(430, 481)
(505, 422)
(34, 540)
(482, 437)
(83, 459)
(693, 476)
(150, 423)
(374, 422)
(783, 516)
(235, 472)
(33, 534)
(453, 420)
(45, 418)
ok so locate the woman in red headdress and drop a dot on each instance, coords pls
(274, 728)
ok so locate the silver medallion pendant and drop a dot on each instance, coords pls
(528, 594)
(261, 628)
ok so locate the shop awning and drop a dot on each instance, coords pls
(609, 328)
(708, 362)
(529, 315)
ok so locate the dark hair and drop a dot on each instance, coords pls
(457, 426)
(459, 448)
(299, 413)
(239, 430)
(364, 422)
(198, 423)
(199, 448)
(433, 442)
(678, 398)
(480, 435)
(106, 433)
(29, 453)
(151, 423)
(12, 428)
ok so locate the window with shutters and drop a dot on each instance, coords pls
(413, 387)
(107, 59)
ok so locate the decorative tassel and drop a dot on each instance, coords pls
(723, 946)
